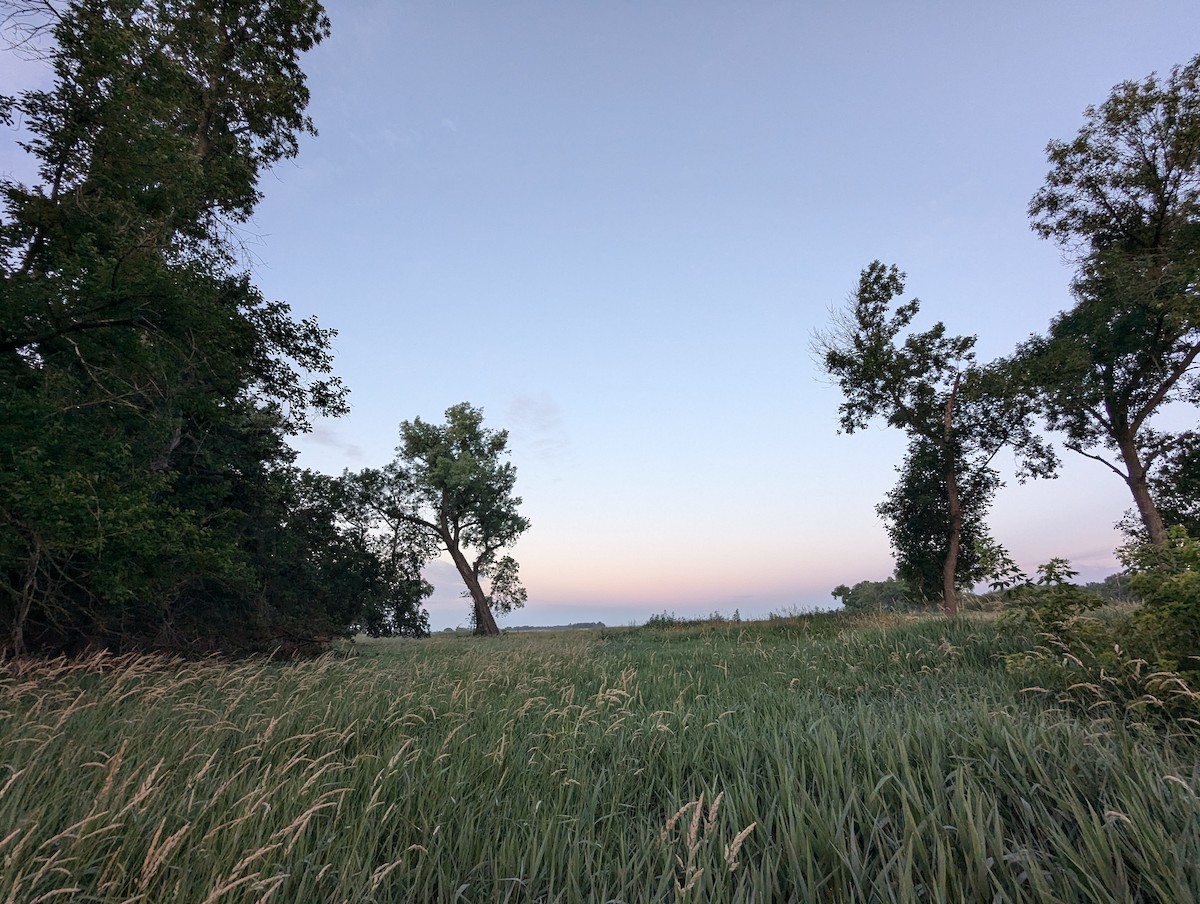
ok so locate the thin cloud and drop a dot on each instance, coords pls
(536, 425)
(322, 435)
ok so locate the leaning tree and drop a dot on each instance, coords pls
(1123, 198)
(451, 487)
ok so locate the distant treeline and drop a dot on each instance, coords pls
(895, 595)
(571, 627)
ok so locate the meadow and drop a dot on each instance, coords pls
(821, 758)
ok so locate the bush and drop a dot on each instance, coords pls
(670, 620)
(1053, 603)
(1107, 666)
(1166, 577)
(892, 595)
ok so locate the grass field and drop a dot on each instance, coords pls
(810, 759)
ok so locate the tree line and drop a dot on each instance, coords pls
(1122, 199)
(148, 494)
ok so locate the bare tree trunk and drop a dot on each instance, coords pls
(485, 622)
(1135, 479)
(950, 566)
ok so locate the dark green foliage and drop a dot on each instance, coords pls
(666, 619)
(1053, 602)
(573, 626)
(1113, 589)
(1124, 197)
(958, 416)
(1127, 182)
(147, 494)
(1175, 483)
(1166, 578)
(369, 579)
(391, 606)
(1136, 667)
(892, 595)
(885, 370)
(450, 487)
(916, 514)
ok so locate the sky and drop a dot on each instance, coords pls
(615, 227)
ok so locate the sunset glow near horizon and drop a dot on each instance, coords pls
(615, 227)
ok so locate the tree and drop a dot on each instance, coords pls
(1175, 484)
(891, 595)
(399, 548)
(927, 384)
(323, 571)
(148, 386)
(917, 516)
(449, 483)
(1124, 198)
(1166, 578)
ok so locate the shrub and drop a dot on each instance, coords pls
(1102, 665)
(1166, 577)
(1053, 603)
(892, 595)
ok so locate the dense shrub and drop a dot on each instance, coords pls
(1119, 664)
(1166, 578)
(892, 595)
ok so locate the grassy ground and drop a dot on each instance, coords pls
(817, 759)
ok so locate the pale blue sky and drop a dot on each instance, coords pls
(615, 225)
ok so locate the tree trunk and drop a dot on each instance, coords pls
(950, 566)
(24, 602)
(1135, 479)
(485, 623)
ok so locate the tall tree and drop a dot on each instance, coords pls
(449, 481)
(148, 386)
(1124, 198)
(957, 414)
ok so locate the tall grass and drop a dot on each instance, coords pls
(816, 759)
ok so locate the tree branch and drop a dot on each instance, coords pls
(1103, 461)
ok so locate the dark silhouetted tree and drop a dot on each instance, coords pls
(147, 492)
(916, 514)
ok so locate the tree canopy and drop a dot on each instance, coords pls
(916, 514)
(957, 414)
(1124, 198)
(148, 497)
(891, 595)
(449, 487)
